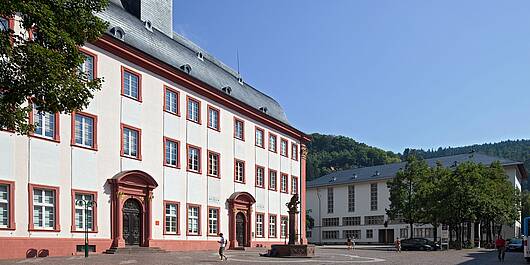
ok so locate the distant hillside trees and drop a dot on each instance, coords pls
(328, 153)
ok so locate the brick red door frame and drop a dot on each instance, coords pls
(240, 202)
(137, 185)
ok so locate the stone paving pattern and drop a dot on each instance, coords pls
(327, 255)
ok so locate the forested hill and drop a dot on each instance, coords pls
(327, 153)
(518, 150)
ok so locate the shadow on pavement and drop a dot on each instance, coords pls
(486, 257)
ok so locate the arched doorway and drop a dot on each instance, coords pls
(240, 230)
(132, 222)
(240, 219)
(131, 199)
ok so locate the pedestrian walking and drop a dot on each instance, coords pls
(500, 244)
(397, 244)
(222, 245)
(349, 243)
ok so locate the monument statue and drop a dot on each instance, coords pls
(292, 205)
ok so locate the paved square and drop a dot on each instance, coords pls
(324, 255)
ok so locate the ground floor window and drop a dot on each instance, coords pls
(171, 217)
(404, 232)
(84, 211)
(44, 208)
(369, 233)
(194, 219)
(5, 204)
(284, 224)
(272, 225)
(354, 234)
(330, 234)
(213, 221)
(259, 224)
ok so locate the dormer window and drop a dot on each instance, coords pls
(227, 90)
(148, 25)
(240, 79)
(200, 56)
(118, 33)
(186, 68)
(263, 109)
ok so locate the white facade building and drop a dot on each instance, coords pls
(354, 202)
(174, 149)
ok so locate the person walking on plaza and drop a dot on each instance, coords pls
(397, 243)
(349, 243)
(222, 245)
(500, 244)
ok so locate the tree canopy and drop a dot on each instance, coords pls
(41, 57)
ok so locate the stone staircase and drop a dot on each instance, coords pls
(134, 250)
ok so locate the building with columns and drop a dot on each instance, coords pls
(174, 149)
(352, 203)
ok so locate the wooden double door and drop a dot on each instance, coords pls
(132, 222)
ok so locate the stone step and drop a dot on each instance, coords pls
(134, 250)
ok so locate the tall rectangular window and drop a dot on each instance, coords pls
(404, 233)
(351, 198)
(283, 147)
(272, 143)
(284, 178)
(5, 205)
(239, 129)
(373, 196)
(131, 84)
(294, 151)
(330, 234)
(260, 177)
(330, 221)
(44, 209)
(369, 233)
(273, 176)
(84, 130)
(294, 185)
(194, 220)
(171, 152)
(259, 137)
(284, 224)
(259, 224)
(130, 142)
(84, 216)
(171, 218)
(213, 164)
(330, 200)
(194, 110)
(194, 159)
(239, 171)
(171, 100)
(272, 225)
(88, 67)
(213, 221)
(213, 118)
(46, 124)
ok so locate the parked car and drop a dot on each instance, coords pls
(419, 244)
(515, 244)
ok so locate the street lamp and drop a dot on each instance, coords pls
(86, 204)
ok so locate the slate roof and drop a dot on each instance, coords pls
(388, 171)
(178, 51)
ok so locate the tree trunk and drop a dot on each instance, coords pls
(435, 232)
(411, 230)
(469, 233)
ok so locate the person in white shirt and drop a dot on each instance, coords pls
(222, 245)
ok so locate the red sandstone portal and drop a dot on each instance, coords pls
(240, 219)
(131, 186)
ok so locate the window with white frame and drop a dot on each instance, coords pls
(283, 147)
(213, 164)
(272, 143)
(351, 198)
(131, 85)
(87, 67)
(272, 179)
(330, 221)
(330, 234)
(171, 218)
(354, 234)
(294, 151)
(259, 137)
(283, 182)
(193, 220)
(4, 205)
(240, 171)
(284, 222)
(130, 142)
(294, 185)
(194, 110)
(171, 101)
(84, 130)
(45, 124)
(373, 196)
(272, 225)
(330, 200)
(171, 153)
(213, 118)
(369, 233)
(239, 129)
(213, 221)
(374, 220)
(260, 177)
(84, 216)
(43, 209)
(351, 220)
(259, 224)
(194, 159)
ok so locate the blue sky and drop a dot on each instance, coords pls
(392, 74)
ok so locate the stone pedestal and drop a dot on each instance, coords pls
(295, 251)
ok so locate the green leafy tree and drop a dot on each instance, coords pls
(45, 67)
(406, 192)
